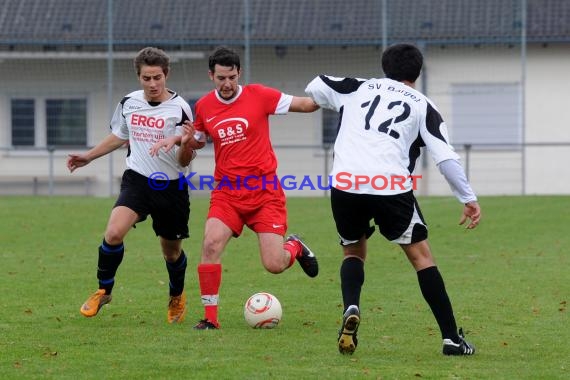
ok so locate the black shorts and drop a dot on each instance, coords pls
(398, 217)
(169, 208)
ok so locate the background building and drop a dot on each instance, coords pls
(497, 69)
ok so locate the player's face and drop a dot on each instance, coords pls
(225, 80)
(153, 82)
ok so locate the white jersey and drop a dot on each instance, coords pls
(383, 123)
(144, 123)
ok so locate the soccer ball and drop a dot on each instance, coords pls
(262, 311)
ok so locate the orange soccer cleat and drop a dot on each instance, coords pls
(177, 308)
(95, 302)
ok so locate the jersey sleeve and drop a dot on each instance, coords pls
(284, 104)
(118, 122)
(199, 128)
(458, 182)
(433, 131)
(328, 91)
(271, 99)
(198, 121)
(186, 115)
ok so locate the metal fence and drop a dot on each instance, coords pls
(493, 169)
(489, 66)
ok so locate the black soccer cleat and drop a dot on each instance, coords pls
(460, 348)
(347, 340)
(205, 324)
(307, 258)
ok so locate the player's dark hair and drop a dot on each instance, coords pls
(224, 56)
(151, 56)
(402, 62)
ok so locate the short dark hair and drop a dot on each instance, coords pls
(402, 62)
(151, 56)
(224, 56)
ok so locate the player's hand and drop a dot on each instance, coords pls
(164, 144)
(187, 133)
(471, 214)
(189, 137)
(75, 161)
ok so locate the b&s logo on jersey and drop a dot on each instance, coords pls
(231, 130)
(147, 121)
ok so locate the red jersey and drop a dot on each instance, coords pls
(239, 128)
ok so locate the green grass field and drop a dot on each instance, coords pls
(508, 280)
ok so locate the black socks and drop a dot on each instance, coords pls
(433, 290)
(176, 274)
(110, 257)
(351, 280)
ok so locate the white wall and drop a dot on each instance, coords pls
(490, 172)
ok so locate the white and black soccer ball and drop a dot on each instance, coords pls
(262, 311)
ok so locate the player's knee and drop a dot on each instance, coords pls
(171, 255)
(274, 268)
(114, 236)
(359, 252)
(357, 249)
(212, 249)
(274, 264)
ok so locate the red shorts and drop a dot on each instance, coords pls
(262, 210)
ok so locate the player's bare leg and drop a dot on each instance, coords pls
(111, 253)
(273, 256)
(216, 236)
(433, 290)
(351, 281)
(176, 262)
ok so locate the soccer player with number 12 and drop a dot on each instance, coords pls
(384, 122)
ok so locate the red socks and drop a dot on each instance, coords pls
(294, 248)
(210, 278)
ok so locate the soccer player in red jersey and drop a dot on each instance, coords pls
(248, 191)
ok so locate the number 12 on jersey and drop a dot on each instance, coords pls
(384, 127)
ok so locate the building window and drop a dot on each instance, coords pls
(486, 114)
(23, 122)
(66, 121)
(41, 122)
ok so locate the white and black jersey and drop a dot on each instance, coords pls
(383, 124)
(144, 123)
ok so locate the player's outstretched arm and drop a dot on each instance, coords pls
(303, 104)
(471, 214)
(107, 145)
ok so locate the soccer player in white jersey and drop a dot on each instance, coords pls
(150, 184)
(383, 124)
